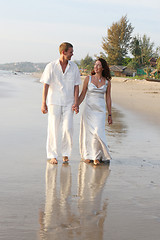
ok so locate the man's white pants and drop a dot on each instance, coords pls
(56, 115)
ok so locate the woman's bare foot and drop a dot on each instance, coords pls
(65, 159)
(87, 161)
(96, 162)
(53, 161)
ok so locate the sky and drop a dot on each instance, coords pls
(32, 30)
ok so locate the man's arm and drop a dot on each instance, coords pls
(76, 94)
(44, 107)
(75, 106)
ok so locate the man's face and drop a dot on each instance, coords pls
(69, 53)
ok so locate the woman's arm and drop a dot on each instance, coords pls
(84, 90)
(109, 102)
(76, 94)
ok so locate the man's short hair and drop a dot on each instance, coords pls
(65, 46)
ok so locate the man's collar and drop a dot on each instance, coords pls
(58, 61)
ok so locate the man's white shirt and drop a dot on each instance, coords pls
(61, 85)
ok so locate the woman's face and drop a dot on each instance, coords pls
(98, 67)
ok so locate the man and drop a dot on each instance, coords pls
(61, 81)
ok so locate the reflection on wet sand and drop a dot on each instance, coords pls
(118, 129)
(79, 216)
(92, 208)
(57, 214)
(117, 132)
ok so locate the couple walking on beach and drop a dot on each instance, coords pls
(61, 80)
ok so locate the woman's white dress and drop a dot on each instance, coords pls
(93, 143)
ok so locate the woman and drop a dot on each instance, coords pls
(97, 89)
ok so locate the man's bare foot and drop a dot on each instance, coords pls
(96, 162)
(53, 161)
(87, 161)
(65, 159)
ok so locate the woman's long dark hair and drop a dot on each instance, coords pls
(106, 71)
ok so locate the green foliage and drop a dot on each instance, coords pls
(158, 64)
(126, 61)
(116, 44)
(142, 50)
(158, 68)
(140, 77)
(147, 70)
(133, 64)
(87, 63)
(156, 54)
(135, 47)
(146, 50)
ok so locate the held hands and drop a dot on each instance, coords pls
(44, 108)
(75, 108)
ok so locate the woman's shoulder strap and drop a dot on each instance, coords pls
(107, 82)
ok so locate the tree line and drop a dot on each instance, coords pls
(23, 67)
(119, 42)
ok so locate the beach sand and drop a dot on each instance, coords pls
(78, 201)
(140, 96)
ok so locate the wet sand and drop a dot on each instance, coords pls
(75, 201)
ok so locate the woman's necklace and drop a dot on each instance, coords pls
(100, 80)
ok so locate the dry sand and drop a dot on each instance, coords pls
(140, 96)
